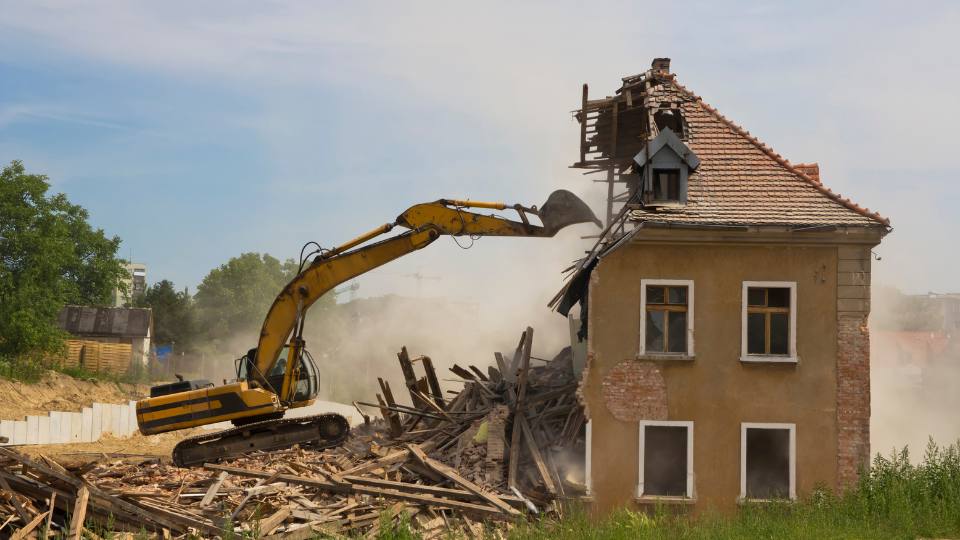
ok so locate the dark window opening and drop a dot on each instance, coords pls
(669, 118)
(666, 185)
(768, 463)
(665, 461)
(768, 320)
(666, 324)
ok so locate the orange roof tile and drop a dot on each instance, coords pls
(741, 180)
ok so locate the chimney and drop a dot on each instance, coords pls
(661, 64)
(810, 169)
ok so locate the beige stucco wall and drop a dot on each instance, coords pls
(715, 390)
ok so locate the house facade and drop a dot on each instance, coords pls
(726, 310)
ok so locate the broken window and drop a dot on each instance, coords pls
(666, 317)
(666, 184)
(670, 118)
(769, 319)
(768, 461)
(666, 459)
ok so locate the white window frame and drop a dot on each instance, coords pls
(666, 423)
(688, 283)
(792, 428)
(788, 358)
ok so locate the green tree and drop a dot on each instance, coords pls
(234, 298)
(174, 319)
(49, 256)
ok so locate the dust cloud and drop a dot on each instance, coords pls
(915, 365)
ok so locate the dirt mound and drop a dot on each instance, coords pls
(59, 392)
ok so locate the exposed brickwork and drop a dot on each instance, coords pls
(853, 396)
(634, 390)
(496, 443)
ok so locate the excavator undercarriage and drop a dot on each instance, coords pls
(320, 431)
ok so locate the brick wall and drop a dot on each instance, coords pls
(635, 390)
(853, 363)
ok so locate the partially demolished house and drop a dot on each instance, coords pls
(726, 308)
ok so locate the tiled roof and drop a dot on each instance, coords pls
(105, 321)
(742, 181)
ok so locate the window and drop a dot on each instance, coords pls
(768, 461)
(769, 322)
(666, 459)
(666, 184)
(666, 319)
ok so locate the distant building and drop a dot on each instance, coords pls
(136, 285)
(107, 338)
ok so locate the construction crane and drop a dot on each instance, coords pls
(279, 374)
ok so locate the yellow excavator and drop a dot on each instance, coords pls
(279, 374)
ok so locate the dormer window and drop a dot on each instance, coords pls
(666, 185)
(664, 167)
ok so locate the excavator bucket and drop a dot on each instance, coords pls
(563, 208)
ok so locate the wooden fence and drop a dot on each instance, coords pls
(97, 356)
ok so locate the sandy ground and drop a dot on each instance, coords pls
(59, 392)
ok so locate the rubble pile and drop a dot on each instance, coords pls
(489, 453)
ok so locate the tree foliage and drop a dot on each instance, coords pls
(50, 256)
(174, 320)
(234, 298)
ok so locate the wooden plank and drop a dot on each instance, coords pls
(27, 529)
(50, 508)
(502, 367)
(432, 380)
(422, 488)
(99, 498)
(534, 450)
(79, 513)
(456, 478)
(14, 499)
(267, 526)
(360, 489)
(392, 417)
(409, 376)
(213, 490)
(518, 410)
(583, 125)
(267, 480)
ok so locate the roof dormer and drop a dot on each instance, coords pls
(664, 167)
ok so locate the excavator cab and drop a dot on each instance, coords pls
(308, 379)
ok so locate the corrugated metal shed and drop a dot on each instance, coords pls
(106, 321)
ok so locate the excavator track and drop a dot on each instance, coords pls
(320, 431)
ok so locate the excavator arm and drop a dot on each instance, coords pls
(424, 223)
(254, 403)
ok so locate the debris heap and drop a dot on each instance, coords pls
(490, 453)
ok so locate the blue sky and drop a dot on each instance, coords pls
(197, 133)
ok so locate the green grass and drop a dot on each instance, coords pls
(21, 369)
